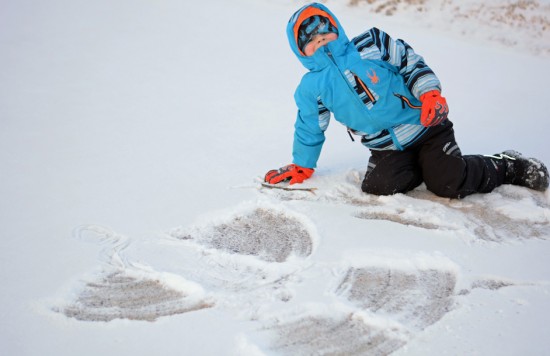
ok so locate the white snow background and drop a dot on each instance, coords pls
(132, 134)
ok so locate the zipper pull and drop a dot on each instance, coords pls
(350, 135)
(400, 98)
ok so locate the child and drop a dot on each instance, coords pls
(386, 94)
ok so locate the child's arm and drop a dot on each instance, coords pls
(419, 78)
(309, 136)
(309, 130)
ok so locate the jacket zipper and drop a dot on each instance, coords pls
(369, 94)
(405, 100)
(346, 79)
(367, 91)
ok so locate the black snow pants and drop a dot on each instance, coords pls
(437, 161)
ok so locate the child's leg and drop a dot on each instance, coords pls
(449, 174)
(391, 172)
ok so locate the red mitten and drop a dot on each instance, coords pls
(434, 108)
(292, 172)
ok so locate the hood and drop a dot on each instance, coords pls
(316, 61)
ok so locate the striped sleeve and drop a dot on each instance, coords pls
(378, 45)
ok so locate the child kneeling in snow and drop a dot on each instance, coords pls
(385, 93)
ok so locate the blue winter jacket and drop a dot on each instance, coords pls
(370, 84)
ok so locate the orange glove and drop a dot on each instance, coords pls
(434, 108)
(295, 173)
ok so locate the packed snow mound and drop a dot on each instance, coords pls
(123, 289)
(523, 24)
(333, 334)
(415, 298)
(271, 235)
(122, 296)
(383, 308)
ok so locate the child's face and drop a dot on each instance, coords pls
(318, 41)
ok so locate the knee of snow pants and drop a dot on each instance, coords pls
(391, 172)
(446, 175)
(470, 174)
(449, 174)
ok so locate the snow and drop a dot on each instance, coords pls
(132, 134)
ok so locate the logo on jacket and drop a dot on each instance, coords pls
(373, 77)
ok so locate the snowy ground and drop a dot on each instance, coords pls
(132, 134)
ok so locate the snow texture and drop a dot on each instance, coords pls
(268, 234)
(125, 297)
(132, 223)
(345, 334)
(508, 23)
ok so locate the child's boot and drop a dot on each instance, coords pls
(523, 171)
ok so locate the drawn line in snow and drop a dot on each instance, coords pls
(399, 217)
(113, 243)
(510, 212)
(492, 284)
